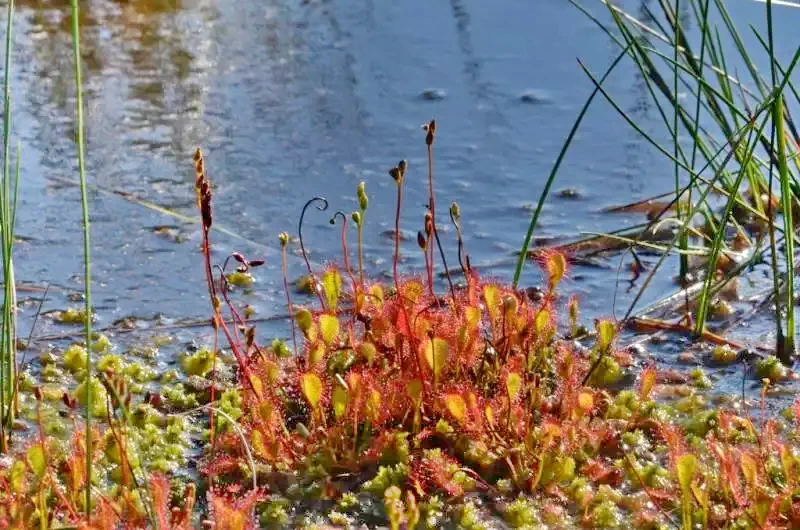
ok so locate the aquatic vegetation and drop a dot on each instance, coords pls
(409, 406)
(405, 406)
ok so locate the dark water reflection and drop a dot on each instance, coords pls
(295, 99)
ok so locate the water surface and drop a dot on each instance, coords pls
(295, 99)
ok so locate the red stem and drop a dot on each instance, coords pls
(397, 277)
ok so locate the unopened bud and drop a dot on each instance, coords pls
(428, 223)
(430, 128)
(423, 244)
(363, 201)
(356, 217)
(396, 175)
(238, 257)
(283, 237)
(402, 165)
(455, 211)
(256, 263)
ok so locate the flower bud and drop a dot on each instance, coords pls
(402, 167)
(423, 244)
(283, 237)
(430, 128)
(356, 217)
(455, 211)
(363, 201)
(428, 223)
(396, 175)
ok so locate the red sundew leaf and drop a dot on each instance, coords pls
(105, 517)
(675, 441)
(233, 512)
(729, 466)
(437, 474)
(601, 473)
(221, 465)
(159, 489)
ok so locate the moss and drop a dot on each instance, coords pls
(606, 515)
(74, 358)
(724, 354)
(71, 315)
(53, 392)
(607, 373)
(521, 513)
(700, 379)
(110, 362)
(100, 343)
(771, 368)
(386, 476)
(139, 372)
(98, 396)
(199, 363)
(398, 450)
(177, 396)
(231, 404)
(241, 279)
(347, 502)
(469, 517)
(432, 512)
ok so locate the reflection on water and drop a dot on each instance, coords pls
(295, 99)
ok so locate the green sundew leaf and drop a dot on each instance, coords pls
(542, 322)
(413, 290)
(489, 413)
(436, 351)
(556, 265)
(472, 316)
(749, 469)
(377, 295)
(414, 389)
(491, 296)
(513, 384)
(332, 285)
(339, 400)
(316, 354)
(373, 405)
(686, 467)
(368, 351)
(311, 386)
(606, 332)
(36, 460)
(456, 406)
(329, 325)
(304, 320)
(17, 476)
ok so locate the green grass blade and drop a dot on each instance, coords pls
(716, 247)
(7, 340)
(87, 262)
(523, 253)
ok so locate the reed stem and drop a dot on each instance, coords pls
(87, 262)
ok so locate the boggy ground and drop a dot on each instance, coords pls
(397, 406)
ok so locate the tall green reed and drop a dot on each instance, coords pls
(720, 112)
(87, 262)
(8, 209)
